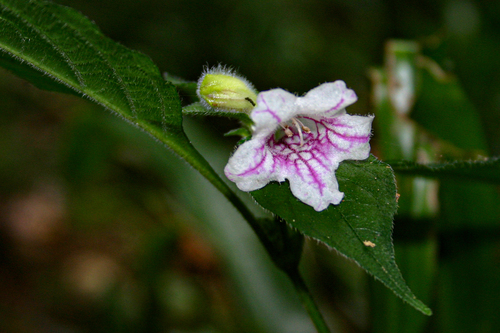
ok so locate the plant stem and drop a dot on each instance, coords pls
(308, 302)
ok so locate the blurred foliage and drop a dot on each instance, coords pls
(102, 230)
(298, 44)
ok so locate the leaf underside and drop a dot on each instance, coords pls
(360, 227)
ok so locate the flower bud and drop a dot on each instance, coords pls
(222, 89)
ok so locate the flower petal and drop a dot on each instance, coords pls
(326, 99)
(349, 135)
(252, 166)
(318, 189)
(273, 107)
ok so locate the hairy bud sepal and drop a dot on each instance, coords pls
(222, 89)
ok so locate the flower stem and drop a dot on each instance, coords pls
(308, 302)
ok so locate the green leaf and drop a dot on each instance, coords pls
(34, 76)
(242, 132)
(487, 170)
(444, 109)
(359, 228)
(57, 48)
(67, 48)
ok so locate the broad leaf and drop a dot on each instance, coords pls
(359, 228)
(67, 48)
(57, 48)
(487, 170)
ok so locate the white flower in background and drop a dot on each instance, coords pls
(302, 139)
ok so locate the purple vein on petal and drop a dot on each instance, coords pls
(252, 171)
(268, 110)
(354, 138)
(315, 176)
(335, 108)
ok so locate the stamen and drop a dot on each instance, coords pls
(304, 127)
(299, 129)
(287, 131)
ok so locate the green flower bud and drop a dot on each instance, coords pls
(223, 89)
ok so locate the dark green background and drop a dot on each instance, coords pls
(298, 44)
(102, 230)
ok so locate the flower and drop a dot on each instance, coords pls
(302, 139)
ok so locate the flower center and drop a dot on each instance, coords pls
(300, 128)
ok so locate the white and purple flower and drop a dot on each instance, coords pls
(302, 139)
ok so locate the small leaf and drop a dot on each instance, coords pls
(359, 228)
(197, 109)
(487, 170)
(242, 132)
